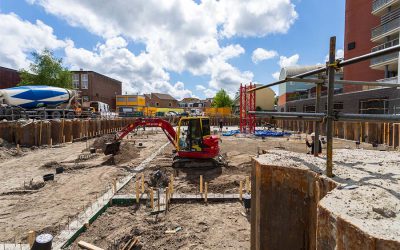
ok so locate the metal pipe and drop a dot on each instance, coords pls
(292, 118)
(339, 65)
(317, 124)
(307, 80)
(382, 84)
(291, 114)
(329, 123)
(368, 117)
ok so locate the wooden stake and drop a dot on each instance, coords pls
(205, 191)
(31, 238)
(72, 138)
(114, 186)
(172, 183)
(240, 190)
(51, 142)
(142, 182)
(40, 133)
(201, 184)
(166, 199)
(151, 198)
(63, 138)
(137, 191)
(247, 184)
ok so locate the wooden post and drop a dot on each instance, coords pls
(63, 138)
(142, 182)
(384, 133)
(166, 199)
(114, 186)
(172, 183)
(205, 191)
(158, 199)
(240, 190)
(72, 138)
(51, 142)
(247, 184)
(151, 198)
(201, 184)
(137, 191)
(40, 133)
(31, 238)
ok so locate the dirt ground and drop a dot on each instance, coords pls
(28, 203)
(237, 151)
(213, 226)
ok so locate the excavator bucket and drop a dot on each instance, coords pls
(112, 148)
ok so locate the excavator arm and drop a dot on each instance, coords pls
(113, 147)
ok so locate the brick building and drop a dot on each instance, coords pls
(8, 78)
(159, 100)
(190, 103)
(96, 87)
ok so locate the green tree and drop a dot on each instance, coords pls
(46, 70)
(222, 100)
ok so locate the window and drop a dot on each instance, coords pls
(292, 108)
(157, 104)
(120, 99)
(169, 104)
(374, 106)
(131, 99)
(309, 108)
(75, 81)
(84, 81)
(85, 98)
(351, 45)
(206, 127)
(337, 106)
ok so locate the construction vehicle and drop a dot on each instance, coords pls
(193, 142)
(40, 102)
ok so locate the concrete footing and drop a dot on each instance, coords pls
(294, 206)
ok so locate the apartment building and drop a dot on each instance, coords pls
(9, 78)
(94, 86)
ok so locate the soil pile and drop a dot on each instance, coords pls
(100, 143)
(127, 152)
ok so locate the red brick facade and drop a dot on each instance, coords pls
(359, 23)
(8, 78)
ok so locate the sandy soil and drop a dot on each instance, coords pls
(50, 205)
(203, 227)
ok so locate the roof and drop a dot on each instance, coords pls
(97, 73)
(163, 96)
(190, 99)
(8, 69)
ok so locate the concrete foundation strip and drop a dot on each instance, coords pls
(90, 214)
(11, 246)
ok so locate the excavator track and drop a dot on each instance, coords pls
(198, 163)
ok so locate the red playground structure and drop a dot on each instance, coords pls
(247, 103)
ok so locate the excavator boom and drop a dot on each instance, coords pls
(113, 147)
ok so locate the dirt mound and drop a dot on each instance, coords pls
(127, 152)
(100, 143)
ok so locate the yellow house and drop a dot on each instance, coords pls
(130, 103)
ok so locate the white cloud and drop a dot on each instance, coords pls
(179, 35)
(339, 55)
(276, 75)
(288, 61)
(261, 54)
(19, 38)
(200, 87)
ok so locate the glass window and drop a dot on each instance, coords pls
(75, 81)
(206, 127)
(157, 104)
(85, 98)
(131, 99)
(120, 99)
(84, 81)
(169, 104)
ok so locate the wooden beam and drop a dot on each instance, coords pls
(89, 246)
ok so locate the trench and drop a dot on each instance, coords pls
(287, 199)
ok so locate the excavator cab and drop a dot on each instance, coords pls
(190, 133)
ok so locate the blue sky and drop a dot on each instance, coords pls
(184, 52)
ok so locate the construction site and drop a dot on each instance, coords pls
(310, 171)
(185, 183)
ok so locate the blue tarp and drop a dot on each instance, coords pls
(260, 133)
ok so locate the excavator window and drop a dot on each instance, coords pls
(206, 127)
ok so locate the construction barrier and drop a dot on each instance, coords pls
(221, 112)
(369, 132)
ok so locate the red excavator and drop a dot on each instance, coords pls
(193, 142)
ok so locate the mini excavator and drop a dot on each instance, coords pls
(193, 142)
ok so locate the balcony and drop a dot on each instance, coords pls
(385, 59)
(386, 45)
(389, 80)
(386, 29)
(380, 5)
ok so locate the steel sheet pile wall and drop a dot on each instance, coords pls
(37, 133)
(369, 132)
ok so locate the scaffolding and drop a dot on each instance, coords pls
(247, 123)
(330, 116)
